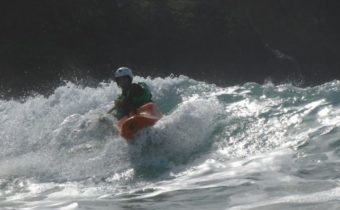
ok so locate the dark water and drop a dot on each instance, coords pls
(249, 146)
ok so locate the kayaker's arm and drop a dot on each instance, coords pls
(118, 103)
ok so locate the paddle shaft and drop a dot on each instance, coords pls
(112, 109)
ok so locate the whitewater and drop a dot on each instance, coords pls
(250, 146)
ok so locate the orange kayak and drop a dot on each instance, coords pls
(145, 116)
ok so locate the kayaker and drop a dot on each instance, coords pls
(133, 96)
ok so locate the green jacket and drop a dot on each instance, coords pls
(130, 100)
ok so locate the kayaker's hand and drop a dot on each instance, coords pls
(118, 103)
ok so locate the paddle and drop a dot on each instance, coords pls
(117, 104)
(112, 109)
(102, 116)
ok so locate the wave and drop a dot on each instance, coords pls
(207, 132)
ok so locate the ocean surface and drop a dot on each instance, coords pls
(249, 146)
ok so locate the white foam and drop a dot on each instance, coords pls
(209, 137)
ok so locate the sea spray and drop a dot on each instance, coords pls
(249, 146)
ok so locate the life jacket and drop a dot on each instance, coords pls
(128, 105)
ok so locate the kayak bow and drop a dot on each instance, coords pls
(145, 116)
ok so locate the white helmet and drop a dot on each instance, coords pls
(123, 71)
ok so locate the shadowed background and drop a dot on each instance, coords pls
(221, 41)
